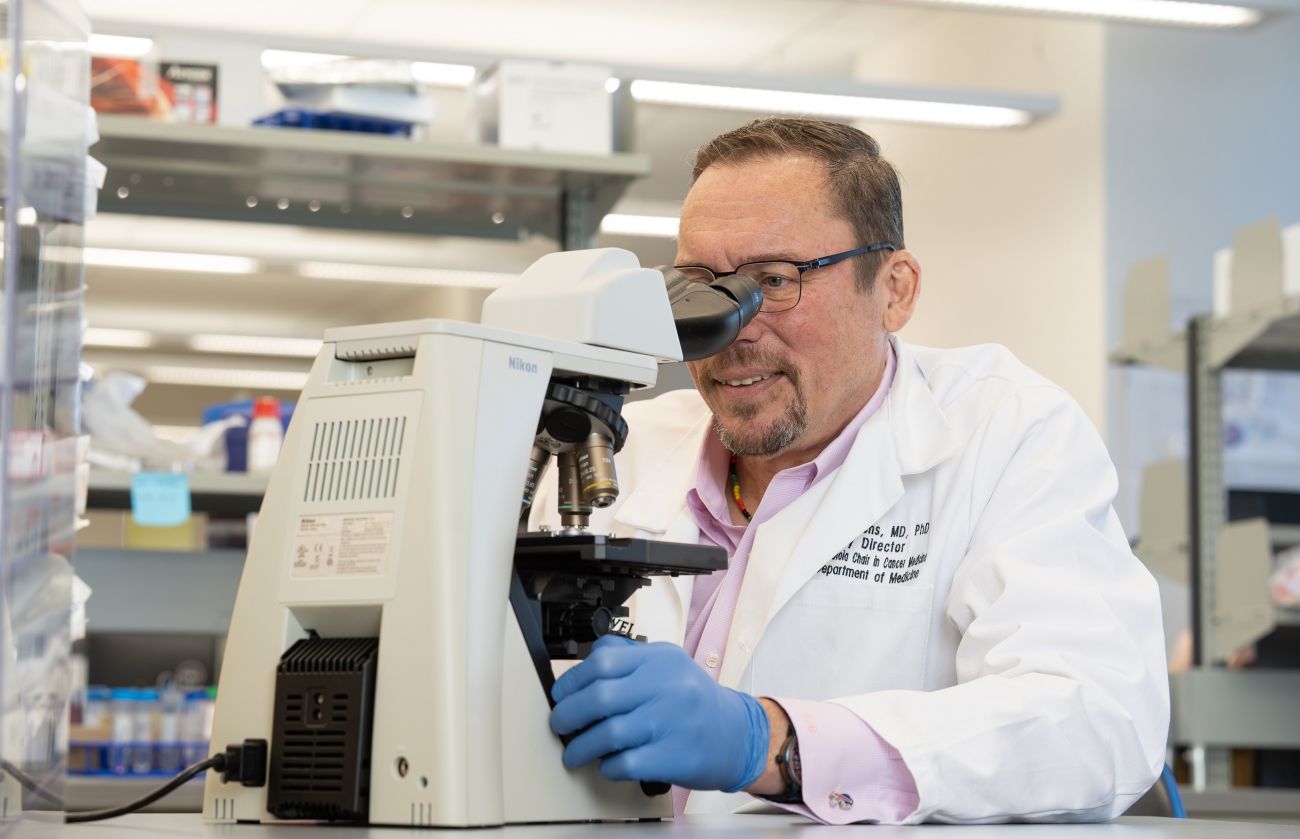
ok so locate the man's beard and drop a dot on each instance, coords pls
(777, 436)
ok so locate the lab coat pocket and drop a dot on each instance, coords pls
(843, 637)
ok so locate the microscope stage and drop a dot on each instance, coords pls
(598, 554)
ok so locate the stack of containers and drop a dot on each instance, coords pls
(149, 731)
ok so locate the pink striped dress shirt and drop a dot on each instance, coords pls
(838, 751)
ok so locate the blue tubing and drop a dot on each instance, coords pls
(1171, 790)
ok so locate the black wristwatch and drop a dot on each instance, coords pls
(788, 761)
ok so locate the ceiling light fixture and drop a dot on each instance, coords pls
(280, 59)
(1172, 12)
(401, 275)
(444, 75)
(628, 224)
(834, 105)
(119, 46)
(100, 336)
(425, 72)
(169, 261)
(256, 345)
(222, 377)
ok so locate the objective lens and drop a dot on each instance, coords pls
(596, 470)
(574, 512)
(536, 466)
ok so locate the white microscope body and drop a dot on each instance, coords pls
(386, 540)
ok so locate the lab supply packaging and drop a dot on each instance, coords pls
(168, 91)
(546, 106)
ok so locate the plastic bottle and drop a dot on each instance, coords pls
(122, 702)
(196, 745)
(96, 710)
(264, 435)
(143, 742)
(96, 721)
(170, 752)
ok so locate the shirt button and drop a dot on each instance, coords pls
(711, 661)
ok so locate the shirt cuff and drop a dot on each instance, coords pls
(848, 772)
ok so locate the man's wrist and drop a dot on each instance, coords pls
(772, 782)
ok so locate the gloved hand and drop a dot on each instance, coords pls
(654, 715)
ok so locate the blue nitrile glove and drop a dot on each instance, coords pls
(654, 715)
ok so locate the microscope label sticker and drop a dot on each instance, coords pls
(351, 544)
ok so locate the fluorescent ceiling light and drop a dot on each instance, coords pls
(426, 72)
(399, 275)
(446, 75)
(278, 59)
(612, 84)
(827, 105)
(634, 225)
(256, 345)
(99, 336)
(221, 377)
(168, 261)
(1176, 12)
(119, 46)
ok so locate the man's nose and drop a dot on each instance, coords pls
(753, 330)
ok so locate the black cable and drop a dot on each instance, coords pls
(30, 784)
(217, 762)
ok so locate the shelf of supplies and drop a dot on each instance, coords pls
(1242, 803)
(354, 181)
(97, 792)
(186, 591)
(1265, 337)
(1284, 535)
(222, 493)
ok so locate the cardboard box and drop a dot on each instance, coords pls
(545, 106)
(116, 529)
(170, 91)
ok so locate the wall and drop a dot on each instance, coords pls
(1008, 225)
(1202, 138)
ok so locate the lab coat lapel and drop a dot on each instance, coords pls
(657, 508)
(908, 435)
(817, 524)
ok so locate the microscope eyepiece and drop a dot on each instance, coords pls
(709, 316)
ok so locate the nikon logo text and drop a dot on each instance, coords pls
(517, 363)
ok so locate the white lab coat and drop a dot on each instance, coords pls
(1020, 672)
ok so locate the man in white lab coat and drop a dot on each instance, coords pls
(931, 611)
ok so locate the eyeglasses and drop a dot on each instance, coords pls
(781, 280)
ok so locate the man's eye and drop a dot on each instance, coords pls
(774, 281)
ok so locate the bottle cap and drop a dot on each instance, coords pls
(266, 406)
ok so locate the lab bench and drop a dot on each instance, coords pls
(691, 827)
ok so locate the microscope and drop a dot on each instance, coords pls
(395, 636)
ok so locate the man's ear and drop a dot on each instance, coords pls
(900, 286)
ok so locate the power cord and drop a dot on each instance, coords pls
(245, 763)
(217, 762)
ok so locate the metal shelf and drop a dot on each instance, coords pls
(223, 493)
(356, 181)
(186, 591)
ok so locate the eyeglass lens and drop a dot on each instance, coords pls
(778, 280)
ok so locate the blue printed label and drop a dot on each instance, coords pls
(160, 499)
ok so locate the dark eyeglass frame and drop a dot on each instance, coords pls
(801, 267)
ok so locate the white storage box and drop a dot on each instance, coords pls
(546, 106)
